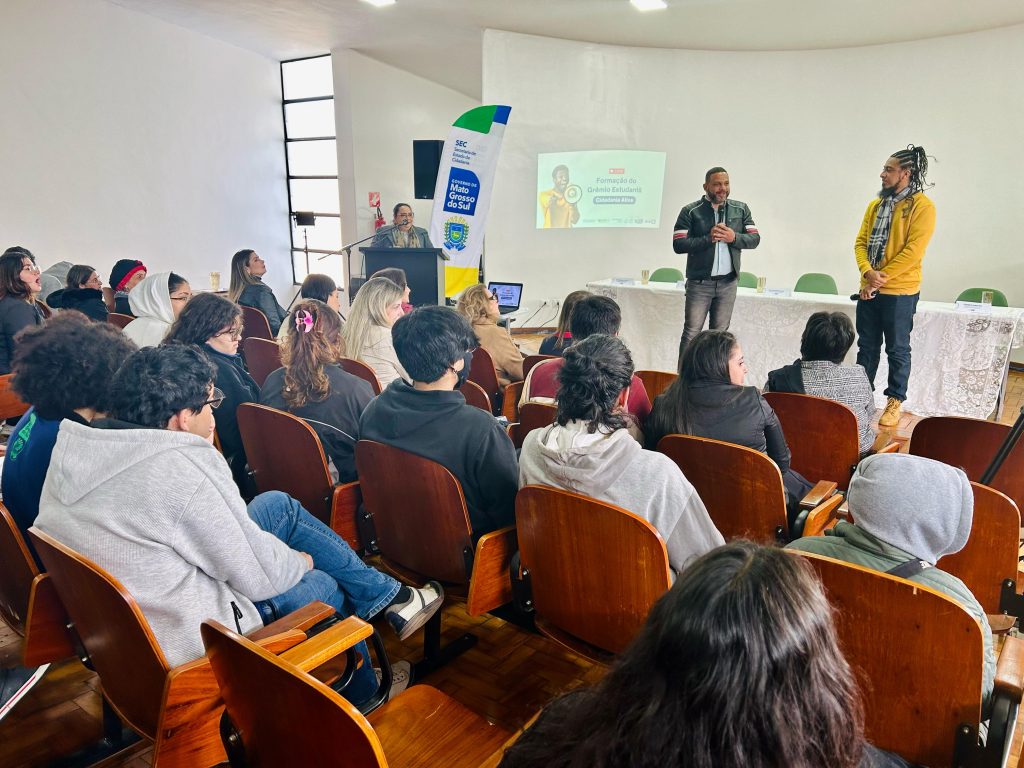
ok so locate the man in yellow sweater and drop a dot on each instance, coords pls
(890, 247)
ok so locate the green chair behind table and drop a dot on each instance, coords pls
(666, 275)
(747, 280)
(816, 282)
(974, 294)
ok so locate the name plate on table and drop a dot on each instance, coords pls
(786, 292)
(623, 281)
(974, 307)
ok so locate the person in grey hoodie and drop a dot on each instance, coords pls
(589, 450)
(147, 497)
(908, 508)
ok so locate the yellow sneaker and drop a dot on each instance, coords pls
(891, 416)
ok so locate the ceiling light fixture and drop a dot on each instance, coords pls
(649, 5)
(380, 3)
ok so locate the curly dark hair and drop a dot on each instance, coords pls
(202, 318)
(592, 376)
(430, 339)
(68, 363)
(737, 665)
(157, 382)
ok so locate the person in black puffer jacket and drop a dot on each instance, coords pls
(83, 292)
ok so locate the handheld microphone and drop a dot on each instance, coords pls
(721, 212)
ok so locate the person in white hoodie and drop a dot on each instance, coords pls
(146, 496)
(156, 303)
(589, 450)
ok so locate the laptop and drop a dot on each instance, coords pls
(509, 296)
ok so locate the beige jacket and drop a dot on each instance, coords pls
(508, 360)
(379, 354)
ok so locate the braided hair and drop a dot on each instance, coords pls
(916, 160)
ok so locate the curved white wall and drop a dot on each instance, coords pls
(803, 135)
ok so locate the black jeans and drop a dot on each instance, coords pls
(716, 297)
(891, 317)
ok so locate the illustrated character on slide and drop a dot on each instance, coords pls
(559, 212)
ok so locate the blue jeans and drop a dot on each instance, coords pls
(891, 317)
(716, 297)
(339, 578)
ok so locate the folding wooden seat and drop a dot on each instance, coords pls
(971, 444)
(178, 708)
(423, 532)
(510, 401)
(306, 723)
(531, 360)
(11, 406)
(116, 318)
(255, 323)
(593, 569)
(822, 435)
(531, 416)
(285, 454)
(656, 382)
(262, 357)
(741, 488)
(363, 371)
(918, 657)
(482, 372)
(476, 396)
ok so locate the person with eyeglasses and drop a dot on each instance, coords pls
(19, 289)
(83, 292)
(214, 324)
(144, 495)
(479, 305)
(401, 233)
(156, 303)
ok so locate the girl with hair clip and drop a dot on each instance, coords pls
(737, 666)
(367, 332)
(312, 385)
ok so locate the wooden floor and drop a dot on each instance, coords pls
(507, 677)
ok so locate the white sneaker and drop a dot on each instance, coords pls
(401, 676)
(405, 618)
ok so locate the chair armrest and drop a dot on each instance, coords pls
(324, 646)
(281, 642)
(302, 619)
(892, 447)
(510, 405)
(822, 490)
(1000, 623)
(490, 584)
(823, 516)
(344, 508)
(1010, 668)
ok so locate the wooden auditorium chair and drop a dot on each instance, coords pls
(592, 570)
(423, 532)
(11, 406)
(118, 319)
(531, 360)
(255, 323)
(531, 416)
(510, 401)
(178, 708)
(285, 454)
(822, 435)
(262, 357)
(476, 396)
(918, 657)
(363, 371)
(305, 723)
(656, 382)
(482, 372)
(741, 488)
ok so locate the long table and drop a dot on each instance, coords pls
(960, 359)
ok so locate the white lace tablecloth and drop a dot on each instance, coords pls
(960, 360)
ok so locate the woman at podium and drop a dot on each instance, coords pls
(401, 233)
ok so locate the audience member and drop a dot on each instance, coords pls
(592, 314)
(83, 292)
(321, 288)
(126, 274)
(909, 512)
(479, 305)
(737, 666)
(709, 400)
(430, 419)
(367, 333)
(63, 370)
(156, 303)
(589, 450)
(248, 289)
(559, 341)
(147, 498)
(826, 339)
(19, 287)
(312, 385)
(397, 276)
(214, 325)
(53, 278)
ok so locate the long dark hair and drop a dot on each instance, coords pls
(311, 343)
(202, 318)
(706, 359)
(594, 373)
(563, 319)
(11, 283)
(78, 275)
(737, 665)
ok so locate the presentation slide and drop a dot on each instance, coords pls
(599, 188)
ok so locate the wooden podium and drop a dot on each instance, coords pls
(424, 270)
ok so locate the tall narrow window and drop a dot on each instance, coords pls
(307, 99)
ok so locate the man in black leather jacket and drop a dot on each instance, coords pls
(712, 231)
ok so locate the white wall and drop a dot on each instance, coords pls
(126, 137)
(379, 111)
(803, 135)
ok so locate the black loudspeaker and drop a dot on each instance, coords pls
(426, 159)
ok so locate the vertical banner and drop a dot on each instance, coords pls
(463, 192)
